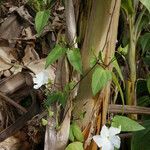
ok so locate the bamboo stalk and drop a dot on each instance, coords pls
(127, 109)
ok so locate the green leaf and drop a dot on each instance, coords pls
(141, 139)
(126, 123)
(77, 132)
(62, 97)
(145, 42)
(127, 6)
(148, 84)
(75, 146)
(50, 113)
(100, 78)
(44, 122)
(117, 68)
(69, 86)
(55, 54)
(74, 58)
(41, 20)
(115, 80)
(146, 3)
(71, 136)
(123, 50)
(147, 58)
(93, 61)
(54, 97)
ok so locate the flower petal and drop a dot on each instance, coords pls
(115, 140)
(37, 86)
(108, 145)
(40, 79)
(99, 140)
(104, 132)
(113, 131)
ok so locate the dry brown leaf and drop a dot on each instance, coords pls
(6, 58)
(30, 55)
(10, 143)
(10, 28)
(23, 13)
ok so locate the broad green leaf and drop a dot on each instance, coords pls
(100, 78)
(148, 84)
(126, 123)
(44, 122)
(117, 68)
(41, 20)
(74, 58)
(145, 42)
(127, 6)
(141, 139)
(77, 132)
(55, 54)
(71, 136)
(115, 80)
(75, 146)
(146, 3)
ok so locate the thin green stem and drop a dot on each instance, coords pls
(138, 22)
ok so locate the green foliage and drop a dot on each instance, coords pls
(71, 136)
(141, 139)
(100, 78)
(44, 122)
(126, 123)
(40, 5)
(141, 88)
(123, 50)
(75, 133)
(147, 58)
(144, 101)
(115, 80)
(117, 68)
(127, 6)
(55, 54)
(41, 20)
(146, 3)
(145, 42)
(69, 87)
(74, 58)
(56, 96)
(93, 61)
(75, 146)
(148, 83)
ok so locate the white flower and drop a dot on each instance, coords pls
(108, 139)
(40, 79)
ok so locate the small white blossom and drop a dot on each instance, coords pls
(40, 79)
(108, 139)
